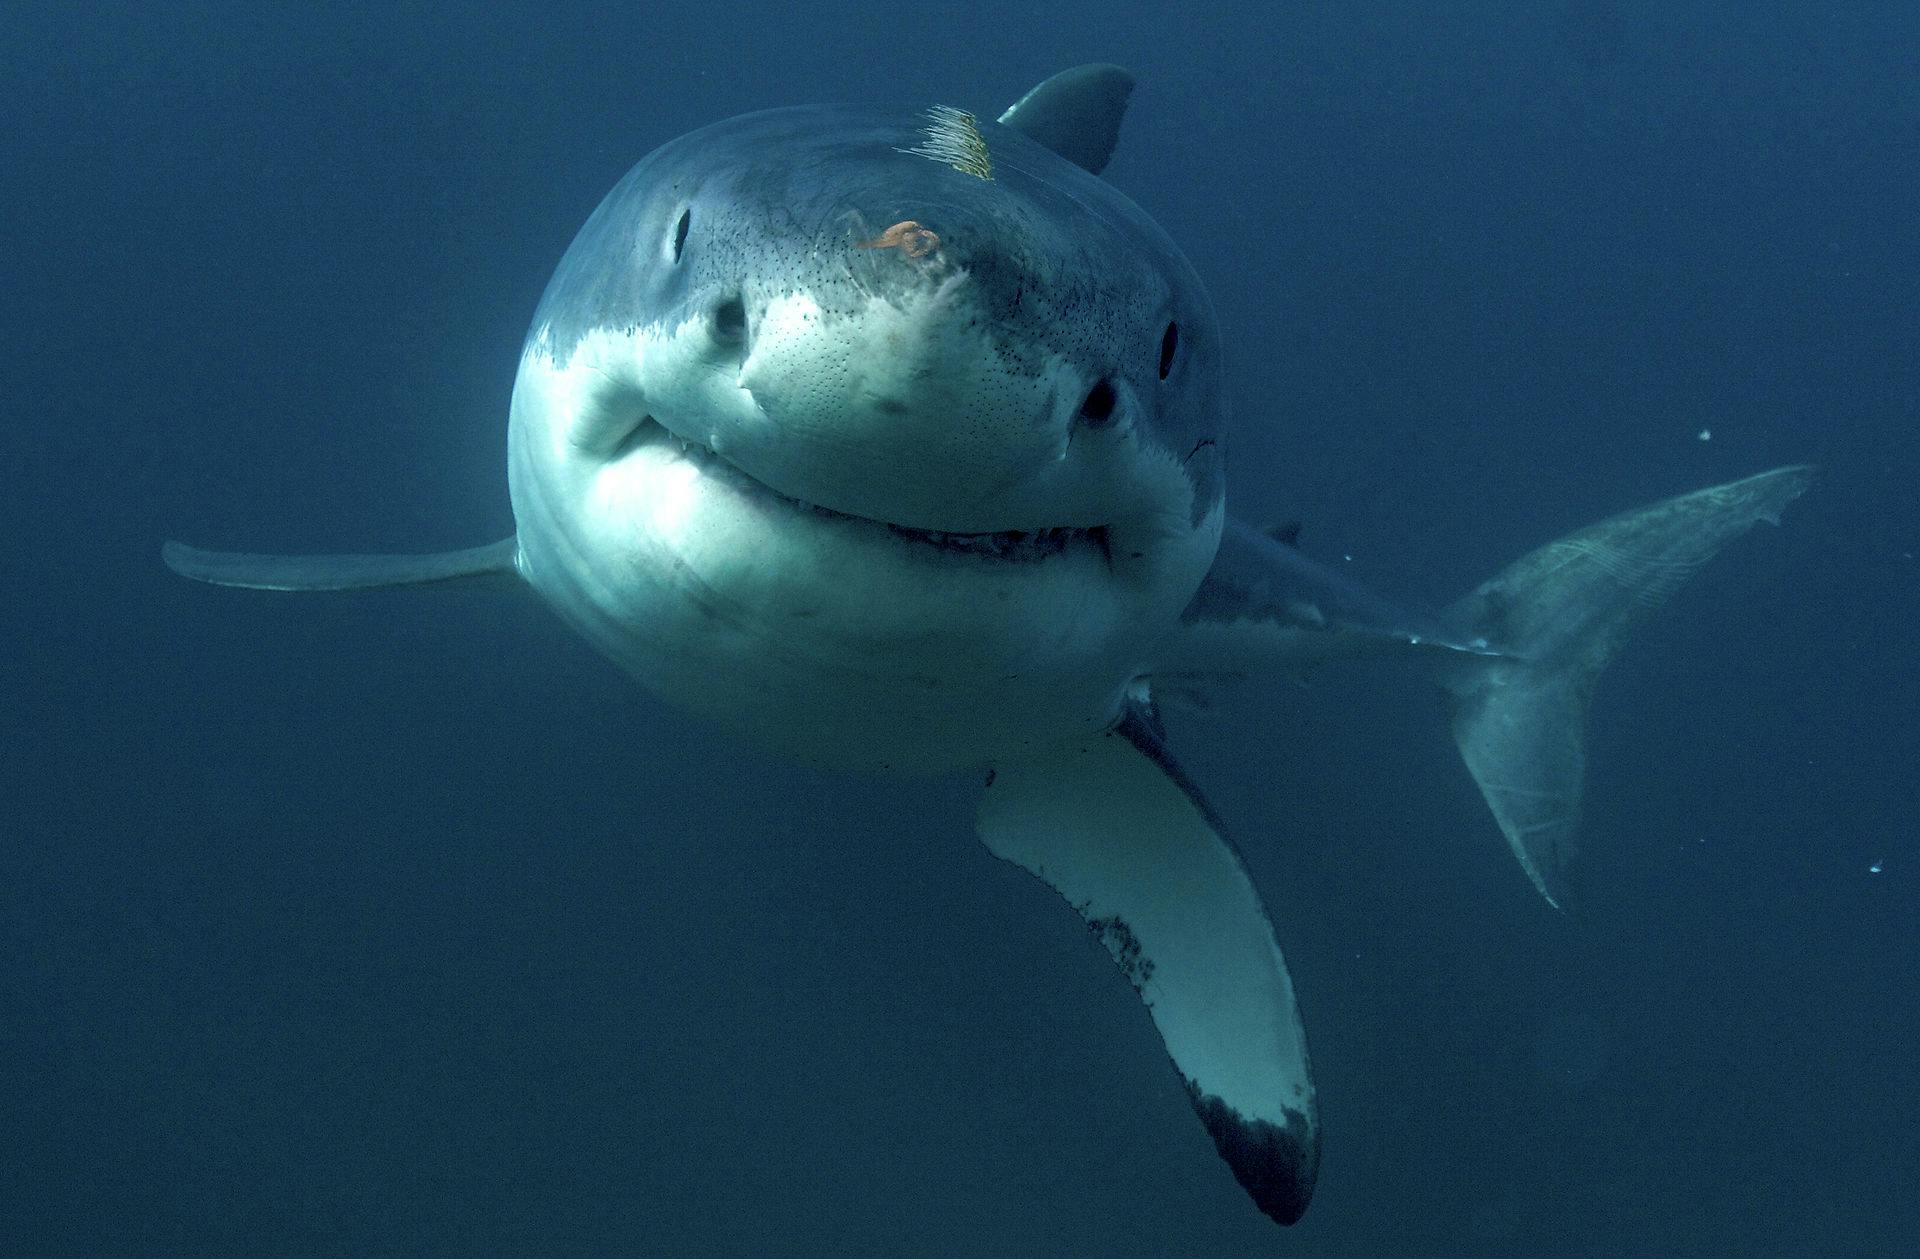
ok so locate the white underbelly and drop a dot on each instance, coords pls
(832, 639)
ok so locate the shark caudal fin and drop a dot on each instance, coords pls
(340, 572)
(1559, 614)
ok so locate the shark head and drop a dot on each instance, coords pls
(907, 395)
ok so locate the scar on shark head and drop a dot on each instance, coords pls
(908, 237)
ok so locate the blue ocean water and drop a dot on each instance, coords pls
(400, 923)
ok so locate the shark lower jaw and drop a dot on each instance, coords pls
(1010, 545)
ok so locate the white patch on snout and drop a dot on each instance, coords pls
(887, 358)
(905, 409)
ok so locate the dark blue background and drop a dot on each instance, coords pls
(401, 923)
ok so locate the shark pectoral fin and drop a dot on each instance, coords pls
(1076, 113)
(341, 572)
(1115, 827)
(1559, 614)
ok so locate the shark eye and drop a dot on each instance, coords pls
(1099, 404)
(1169, 346)
(680, 227)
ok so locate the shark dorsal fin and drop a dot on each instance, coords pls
(1076, 113)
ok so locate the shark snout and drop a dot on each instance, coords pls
(902, 368)
(898, 406)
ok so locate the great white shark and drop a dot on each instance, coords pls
(897, 439)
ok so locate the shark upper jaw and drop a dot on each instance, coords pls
(1010, 545)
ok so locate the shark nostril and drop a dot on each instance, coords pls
(1100, 402)
(729, 321)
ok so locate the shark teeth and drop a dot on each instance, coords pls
(1008, 544)
(1004, 544)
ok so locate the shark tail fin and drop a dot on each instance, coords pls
(1558, 615)
(341, 572)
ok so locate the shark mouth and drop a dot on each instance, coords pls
(1017, 545)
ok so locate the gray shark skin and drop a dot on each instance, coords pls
(894, 439)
